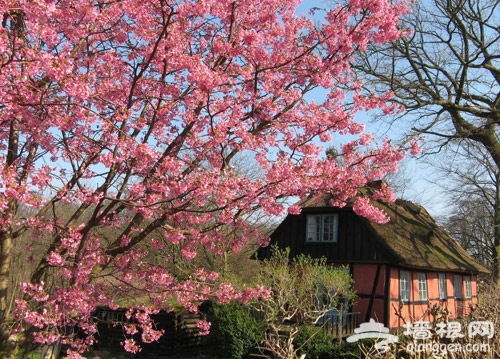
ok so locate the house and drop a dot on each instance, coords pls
(409, 263)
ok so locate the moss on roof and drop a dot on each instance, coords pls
(417, 240)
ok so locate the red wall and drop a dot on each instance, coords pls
(419, 310)
(364, 276)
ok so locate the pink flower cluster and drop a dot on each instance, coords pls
(123, 129)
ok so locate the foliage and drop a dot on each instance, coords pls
(303, 289)
(316, 343)
(235, 330)
(122, 121)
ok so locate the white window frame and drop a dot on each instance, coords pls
(422, 286)
(404, 286)
(319, 230)
(443, 290)
(468, 287)
(457, 286)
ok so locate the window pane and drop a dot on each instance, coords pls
(329, 228)
(468, 287)
(457, 284)
(313, 228)
(443, 293)
(404, 286)
(422, 286)
(322, 228)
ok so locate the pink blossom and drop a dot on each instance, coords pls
(384, 193)
(257, 292)
(415, 146)
(226, 293)
(204, 327)
(157, 244)
(294, 209)
(73, 354)
(189, 252)
(131, 346)
(55, 259)
(363, 207)
(150, 335)
(130, 329)
(133, 139)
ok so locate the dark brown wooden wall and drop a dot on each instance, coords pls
(355, 241)
(181, 338)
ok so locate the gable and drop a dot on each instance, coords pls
(410, 239)
(354, 239)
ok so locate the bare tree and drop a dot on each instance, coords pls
(472, 180)
(471, 225)
(447, 76)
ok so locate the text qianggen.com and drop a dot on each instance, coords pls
(437, 348)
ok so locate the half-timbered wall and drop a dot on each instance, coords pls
(375, 271)
(417, 309)
(370, 283)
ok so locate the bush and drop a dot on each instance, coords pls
(235, 330)
(318, 344)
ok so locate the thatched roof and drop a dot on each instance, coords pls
(412, 238)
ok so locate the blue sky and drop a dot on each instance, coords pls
(417, 176)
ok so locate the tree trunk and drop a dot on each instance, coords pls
(496, 233)
(51, 351)
(6, 245)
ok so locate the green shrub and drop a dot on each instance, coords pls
(235, 330)
(318, 344)
(315, 343)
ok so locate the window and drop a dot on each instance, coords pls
(443, 293)
(404, 286)
(457, 285)
(422, 286)
(468, 287)
(327, 299)
(322, 228)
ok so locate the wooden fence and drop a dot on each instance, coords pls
(341, 325)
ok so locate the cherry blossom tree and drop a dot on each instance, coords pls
(119, 125)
